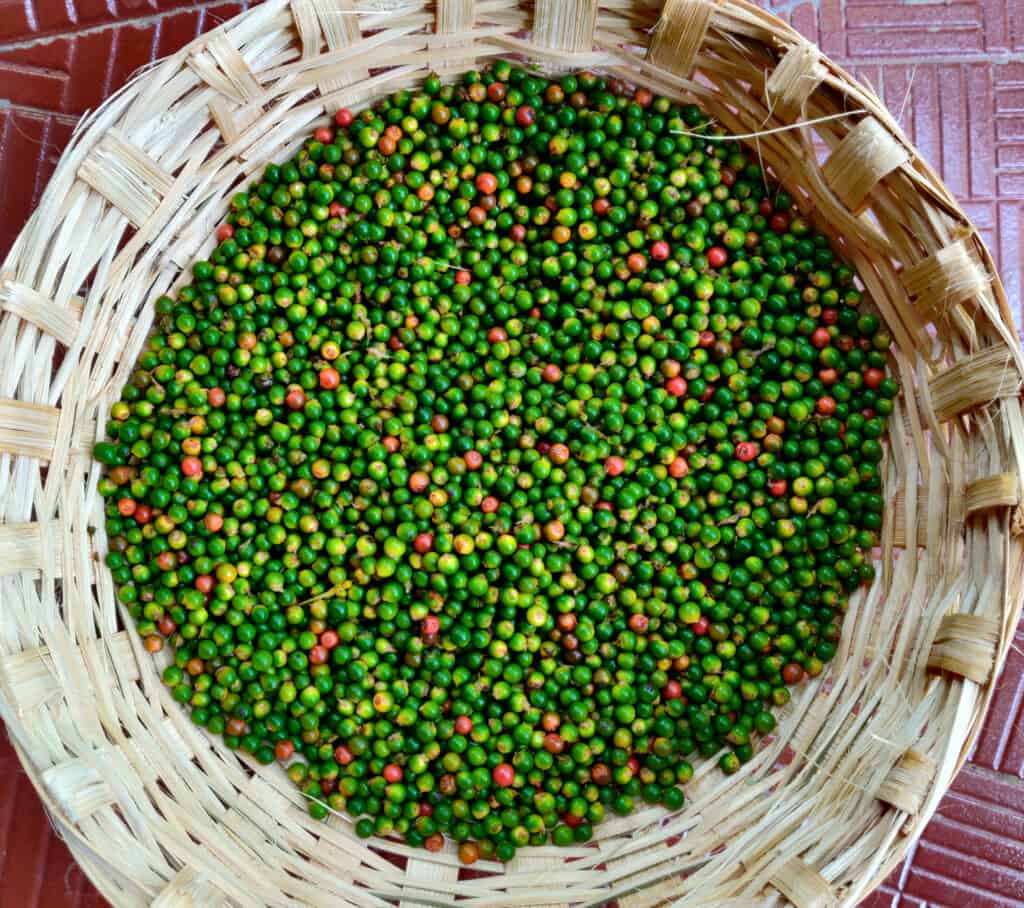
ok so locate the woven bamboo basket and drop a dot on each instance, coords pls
(158, 813)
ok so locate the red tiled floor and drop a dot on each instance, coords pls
(952, 70)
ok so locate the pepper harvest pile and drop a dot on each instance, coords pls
(517, 443)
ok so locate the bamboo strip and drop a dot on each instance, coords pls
(946, 278)
(1001, 490)
(907, 785)
(565, 25)
(678, 36)
(797, 75)
(868, 153)
(58, 321)
(966, 645)
(974, 381)
(803, 885)
(126, 177)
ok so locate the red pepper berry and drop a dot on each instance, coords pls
(525, 116)
(717, 256)
(431, 625)
(283, 750)
(126, 506)
(614, 465)
(765, 207)
(225, 232)
(497, 334)
(462, 276)
(204, 583)
(820, 337)
(660, 250)
(873, 378)
(342, 755)
(423, 543)
(779, 222)
(700, 626)
(191, 466)
(517, 232)
(706, 338)
(329, 378)
(391, 444)
(793, 673)
(826, 406)
(329, 639)
(213, 522)
(551, 373)
(672, 690)
(678, 468)
(295, 399)
(216, 397)
(636, 262)
(489, 505)
(324, 135)
(830, 316)
(486, 183)
(463, 725)
(676, 386)
(344, 117)
(571, 820)
(777, 487)
(143, 514)
(318, 655)
(601, 206)
(638, 623)
(393, 772)
(746, 451)
(503, 775)
(554, 743)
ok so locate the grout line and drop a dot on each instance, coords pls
(136, 22)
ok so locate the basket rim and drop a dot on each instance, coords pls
(150, 172)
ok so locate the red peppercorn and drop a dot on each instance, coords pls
(830, 316)
(706, 338)
(779, 222)
(551, 373)
(344, 117)
(746, 451)
(126, 506)
(503, 775)
(213, 522)
(486, 183)
(497, 334)
(601, 206)
(553, 743)
(473, 459)
(318, 655)
(634, 765)
(463, 725)
(676, 386)
(283, 750)
(614, 465)
(391, 444)
(765, 207)
(820, 337)
(166, 626)
(793, 673)
(434, 842)
(342, 755)
(571, 820)
(295, 399)
(828, 376)
(393, 772)
(659, 250)
(717, 256)
(517, 232)
(423, 543)
(324, 135)
(462, 276)
(873, 378)
(216, 397)
(204, 583)
(636, 262)
(329, 378)
(225, 232)
(777, 487)
(672, 690)
(329, 639)
(678, 468)
(431, 624)
(638, 623)
(489, 505)
(525, 116)
(191, 466)
(700, 626)
(826, 406)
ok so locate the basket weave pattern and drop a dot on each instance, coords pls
(159, 813)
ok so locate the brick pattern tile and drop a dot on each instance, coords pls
(952, 71)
